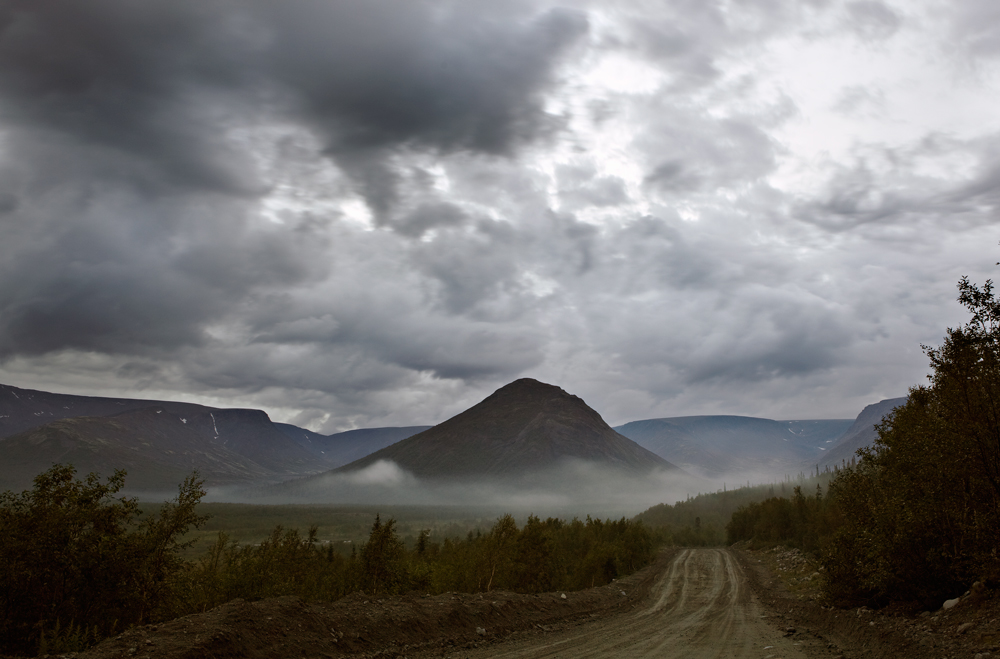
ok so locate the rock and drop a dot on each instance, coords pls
(563, 596)
(950, 604)
(964, 627)
(480, 631)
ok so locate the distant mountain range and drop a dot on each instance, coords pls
(715, 446)
(161, 442)
(524, 426)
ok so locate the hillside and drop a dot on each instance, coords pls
(158, 448)
(345, 447)
(522, 427)
(861, 433)
(22, 409)
(715, 446)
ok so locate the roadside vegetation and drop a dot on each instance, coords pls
(702, 520)
(917, 519)
(78, 563)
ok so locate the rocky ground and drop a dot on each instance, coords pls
(415, 625)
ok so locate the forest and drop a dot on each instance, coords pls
(917, 519)
(79, 564)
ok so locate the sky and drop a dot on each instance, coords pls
(376, 213)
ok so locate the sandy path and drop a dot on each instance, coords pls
(701, 607)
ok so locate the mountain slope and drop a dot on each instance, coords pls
(344, 447)
(719, 445)
(21, 409)
(861, 433)
(524, 426)
(157, 442)
(158, 448)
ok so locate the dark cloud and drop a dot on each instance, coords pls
(429, 216)
(886, 186)
(131, 79)
(873, 20)
(365, 213)
(379, 74)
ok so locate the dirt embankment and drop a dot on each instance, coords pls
(789, 584)
(358, 626)
(719, 602)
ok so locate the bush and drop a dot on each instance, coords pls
(76, 565)
(283, 564)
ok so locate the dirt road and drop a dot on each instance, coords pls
(700, 608)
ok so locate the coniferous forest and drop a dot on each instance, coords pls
(917, 519)
(79, 564)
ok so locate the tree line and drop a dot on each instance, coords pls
(79, 563)
(542, 555)
(917, 519)
(702, 520)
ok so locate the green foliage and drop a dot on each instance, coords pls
(283, 564)
(706, 520)
(801, 521)
(76, 564)
(921, 513)
(541, 556)
(383, 559)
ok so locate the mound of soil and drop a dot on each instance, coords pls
(786, 581)
(358, 626)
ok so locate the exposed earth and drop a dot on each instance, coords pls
(689, 603)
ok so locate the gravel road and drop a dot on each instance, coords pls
(701, 607)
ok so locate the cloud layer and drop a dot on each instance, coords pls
(360, 214)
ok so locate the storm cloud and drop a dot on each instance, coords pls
(376, 213)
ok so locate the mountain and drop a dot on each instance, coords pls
(21, 409)
(344, 447)
(718, 445)
(157, 442)
(159, 447)
(861, 433)
(522, 427)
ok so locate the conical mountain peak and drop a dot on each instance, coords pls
(524, 426)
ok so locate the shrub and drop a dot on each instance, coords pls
(76, 564)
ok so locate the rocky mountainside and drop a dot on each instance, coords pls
(718, 445)
(861, 433)
(523, 427)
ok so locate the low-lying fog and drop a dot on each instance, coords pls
(576, 487)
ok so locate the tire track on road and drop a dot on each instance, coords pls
(699, 608)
